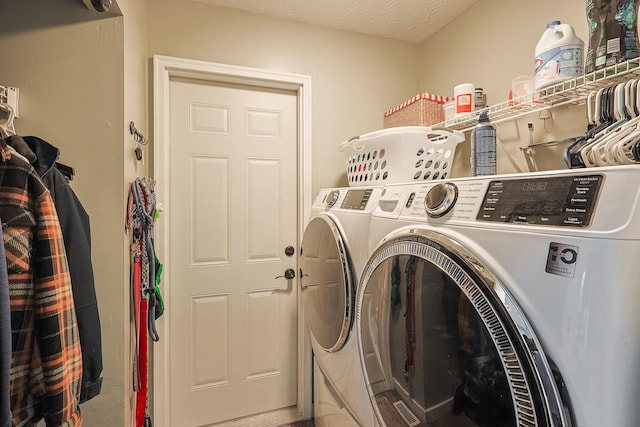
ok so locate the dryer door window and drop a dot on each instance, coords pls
(327, 290)
(440, 346)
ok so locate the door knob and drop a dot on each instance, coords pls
(289, 251)
(289, 274)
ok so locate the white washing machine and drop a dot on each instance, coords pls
(508, 300)
(333, 254)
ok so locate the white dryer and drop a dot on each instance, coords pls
(502, 301)
(333, 254)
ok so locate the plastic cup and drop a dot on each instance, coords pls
(522, 88)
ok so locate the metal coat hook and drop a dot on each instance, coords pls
(137, 135)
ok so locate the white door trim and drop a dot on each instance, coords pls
(164, 68)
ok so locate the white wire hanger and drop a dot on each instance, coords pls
(6, 119)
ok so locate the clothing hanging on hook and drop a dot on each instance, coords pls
(75, 226)
(45, 379)
(146, 298)
(5, 343)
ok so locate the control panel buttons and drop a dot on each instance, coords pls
(552, 201)
(356, 199)
(410, 200)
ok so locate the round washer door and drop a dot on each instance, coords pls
(326, 282)
(443, 342)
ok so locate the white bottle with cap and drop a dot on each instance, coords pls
(559, 55)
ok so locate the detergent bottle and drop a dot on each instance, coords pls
(559, 55)
(613, 33)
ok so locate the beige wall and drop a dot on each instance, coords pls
(492, 42)
(355, 78)
(489, 44)
(68, 66)
(83, 76)
(136, 109)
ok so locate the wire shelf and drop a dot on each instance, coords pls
(573, 91)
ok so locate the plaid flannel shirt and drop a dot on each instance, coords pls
(46, 360)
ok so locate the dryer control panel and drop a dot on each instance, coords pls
(356, 199)
(558, 200)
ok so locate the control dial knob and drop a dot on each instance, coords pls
(332, 198)
(440, 199)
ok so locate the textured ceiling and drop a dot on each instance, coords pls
(406, 20)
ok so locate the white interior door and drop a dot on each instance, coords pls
(233, 211)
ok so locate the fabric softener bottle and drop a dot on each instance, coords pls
(483, 147)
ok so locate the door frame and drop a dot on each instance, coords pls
(164, 68)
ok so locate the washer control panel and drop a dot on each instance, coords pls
(557, 201)
(562, 200)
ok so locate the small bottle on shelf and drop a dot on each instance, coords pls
(483, 147)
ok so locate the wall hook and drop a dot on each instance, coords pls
(545, 115)
(137, 135)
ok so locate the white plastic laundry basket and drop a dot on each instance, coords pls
(401, 154)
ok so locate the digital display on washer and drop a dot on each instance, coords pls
(356, 199)
(560, 201)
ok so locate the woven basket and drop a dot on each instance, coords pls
(424, 109)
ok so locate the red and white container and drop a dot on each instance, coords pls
(464, 95)
(424, 109)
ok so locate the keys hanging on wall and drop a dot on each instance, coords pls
(140, 140)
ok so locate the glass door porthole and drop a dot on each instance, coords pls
(443, 344)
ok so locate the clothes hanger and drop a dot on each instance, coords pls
(7, 123)
(615, 114)
(601, 119)
(610, 154)
(568, 155)
(626, 150)
(594, 154)
(637, 105)
(631, 98)
(623, 152)
(611, 103)
(7, 129)
(616, 152)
